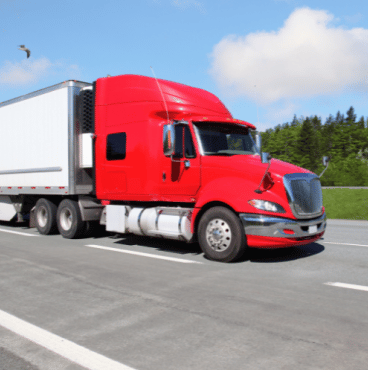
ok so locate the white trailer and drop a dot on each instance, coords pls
(46, 154)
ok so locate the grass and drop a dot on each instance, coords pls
(348, 204)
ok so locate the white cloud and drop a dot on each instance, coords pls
(281, 114)
(274, 114)
(184, 4)
(305, 58)
(30, 71)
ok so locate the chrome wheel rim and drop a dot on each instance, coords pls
(42, 216)
(66, 219)
(218, 235)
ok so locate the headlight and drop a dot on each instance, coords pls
(265, 205)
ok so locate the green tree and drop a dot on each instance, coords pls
(307, 146)
(305, 140)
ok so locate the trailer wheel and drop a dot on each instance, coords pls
(221, 235)
(45, 217)
(69, 220)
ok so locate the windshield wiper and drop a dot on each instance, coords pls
(222, 154)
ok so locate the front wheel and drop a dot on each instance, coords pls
(221, 235)
(69, 220)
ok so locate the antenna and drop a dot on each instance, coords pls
(257, 107)
(163, 98)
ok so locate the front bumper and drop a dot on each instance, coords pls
(265, 231)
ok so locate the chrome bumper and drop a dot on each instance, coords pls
(261, 225)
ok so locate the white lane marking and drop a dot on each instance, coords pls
(349, 286)
(357, 245)
(17, 232)
(63, 347)
(142, 254)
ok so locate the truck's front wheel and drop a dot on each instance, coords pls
(45, 217)
(69, 219)
(221, 235)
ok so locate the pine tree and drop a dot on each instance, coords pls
(305, 140)
(350, 115)
(307, 146)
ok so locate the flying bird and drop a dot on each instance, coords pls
(22, 47)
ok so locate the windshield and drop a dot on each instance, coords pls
(224, 139)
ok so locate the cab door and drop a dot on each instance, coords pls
(181, 174)
(110, 174)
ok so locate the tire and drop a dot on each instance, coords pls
(221, 235)
(69, 220)
(45, 217)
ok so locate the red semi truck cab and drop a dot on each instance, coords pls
(171, 161)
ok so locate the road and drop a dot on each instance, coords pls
(150, 304)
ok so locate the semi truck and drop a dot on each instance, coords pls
(150, 157)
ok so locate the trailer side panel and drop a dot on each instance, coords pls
(40, 143)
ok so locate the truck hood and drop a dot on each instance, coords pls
(232, 180)
(251, 166)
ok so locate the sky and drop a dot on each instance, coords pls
(267, 60)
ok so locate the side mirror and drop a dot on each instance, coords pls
(259, 143)
(325, 161)
(169, 140)
(265, 157)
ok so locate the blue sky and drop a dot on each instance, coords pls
(274, 57)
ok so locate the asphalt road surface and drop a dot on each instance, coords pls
(119, 303)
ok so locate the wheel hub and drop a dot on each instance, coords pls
(42, 216)
(218, 235)
(66, 219)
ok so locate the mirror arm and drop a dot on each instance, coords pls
(325, 161)
(258, 190)
(324, 170)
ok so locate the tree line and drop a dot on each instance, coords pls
(342, 138)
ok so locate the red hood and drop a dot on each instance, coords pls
(233, 180)
(251, 164)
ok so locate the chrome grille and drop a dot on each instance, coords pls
(304, 193)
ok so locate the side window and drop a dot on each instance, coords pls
(178, 142)
(184, 142)
(189, 146)
(116, 146)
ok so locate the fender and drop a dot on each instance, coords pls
(236, 192)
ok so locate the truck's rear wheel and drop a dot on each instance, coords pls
(45, 217)
(221, 235)
(69, 220)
